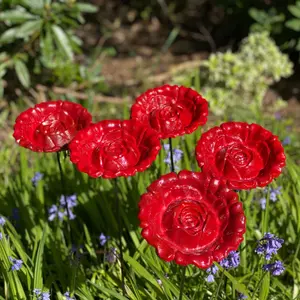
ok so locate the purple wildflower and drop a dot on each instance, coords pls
(263, 202)
(286, 141)
(17, 263)
(241, 296)
(36, 178)
(274, 193)
(71, 201)
(231, 261)
(177, 155)
(277, 115)
(68, 297)
(269, 245)
(111, 255)
(2, 220)
(211, 272)
(103, 239)
(41, 295)
(1, 236)
(64, 209)
(276, 268)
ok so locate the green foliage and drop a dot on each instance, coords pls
(240, 80)
(39, 34)
(45, 247)
(282, 21)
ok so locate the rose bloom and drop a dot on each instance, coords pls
(113, 148)
(191, 218)
(50, 126)
(244, 155)
(171, 110)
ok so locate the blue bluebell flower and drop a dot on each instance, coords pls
(111, 255)
(103, 239)
(274, 193)
(211, 272)
(2, 220)
(263, 202)
(54, 212)
(276, 268)
(36, 178)
(268, 245)
(16, 214)
(177, 155)
(231, 261)
(41, 295)
(277, 115)
(241, 296)
(68, 297)
(286, 141)
(64, 209)
(16, 263)
(71, 201)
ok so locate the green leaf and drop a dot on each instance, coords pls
(16, 16)
(109, 291)
(22, 73)
(87, 8)
(237, 285)
(9, 35)
(258, 15)
(62, 41)
(29, 28)
(265, 287)
(294, 10)
(38, 263)
(293, 24)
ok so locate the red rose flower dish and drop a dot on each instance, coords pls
(191, 219)
(113, 148)
(244, 155)
(50, 126)
(171, 110)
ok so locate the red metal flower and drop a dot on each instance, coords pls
(50, 126)
(113, 148)
(171, 110)
(191, 219)
(244, 155)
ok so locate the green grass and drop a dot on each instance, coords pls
(45, 247)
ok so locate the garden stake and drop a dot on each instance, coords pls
(120, 235)
(182, 280)
(171, 156)
(183, 268)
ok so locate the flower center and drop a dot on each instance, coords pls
(239, 156)
(190, 218)
(168, 112)
(115, 149)
(56, 123)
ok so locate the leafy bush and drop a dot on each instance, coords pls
(39, 34)
(283, 22)
(241, 79)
